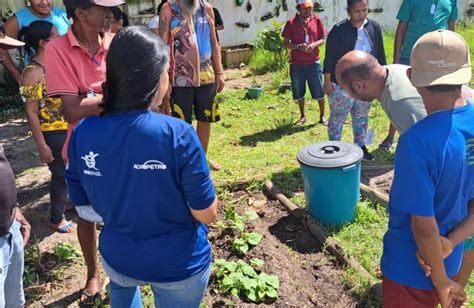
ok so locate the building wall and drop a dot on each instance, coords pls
(335, 10)
(233, 35)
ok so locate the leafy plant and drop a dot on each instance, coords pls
(270, 53)
(65, 252)
(246, 241)
(232, 220)
(242, 280)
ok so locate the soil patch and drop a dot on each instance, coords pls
(308, 277)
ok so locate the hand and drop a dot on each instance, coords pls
(328, 88)
(220, 82)
(25, 227)
(451, 294)
(310, 48)
(447, 249)
(302, 47)
(45, 153)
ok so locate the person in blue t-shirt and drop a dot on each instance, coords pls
(147, 176)
(433, 177)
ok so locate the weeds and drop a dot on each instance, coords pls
(65, 252)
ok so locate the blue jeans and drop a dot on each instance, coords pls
(311, 73)
(125, 292)
(11, 264)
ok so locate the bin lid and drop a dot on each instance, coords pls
(330, 154)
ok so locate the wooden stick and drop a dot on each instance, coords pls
(317, 231)
(239, 183)
(371, 194)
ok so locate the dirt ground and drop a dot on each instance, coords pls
(308, 277)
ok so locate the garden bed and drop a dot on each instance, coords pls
(307, 276)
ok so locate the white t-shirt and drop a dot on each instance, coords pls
(154, 22)
(363, 41)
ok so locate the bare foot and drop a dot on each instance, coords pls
(91, 291)
(214, 166)
(64, 226)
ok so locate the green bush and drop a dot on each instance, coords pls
(269, 54)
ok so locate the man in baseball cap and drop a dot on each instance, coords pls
(75, 66)
(434, 179)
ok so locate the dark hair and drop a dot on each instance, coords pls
(362, 70)
(119, 15)
(31, 36)
(135, 62)
(351, 3)
(71, 12)
(443, 88)
(158, 9)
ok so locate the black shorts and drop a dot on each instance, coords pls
(206, 108)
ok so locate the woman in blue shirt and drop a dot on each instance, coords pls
(147, 176)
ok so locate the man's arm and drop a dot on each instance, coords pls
(164, 25)
(399, 38)
(216, 51)
(12, 27)
(76, 108)
(426, 234)
(452, 25)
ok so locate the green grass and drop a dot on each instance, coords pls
(257, 138)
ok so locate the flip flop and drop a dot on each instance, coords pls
(214, 166)
(385, 145)
(67, 228)
(89, 299)
(324, 122)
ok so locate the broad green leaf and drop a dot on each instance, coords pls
(271, 292)
(249, 271)
(257, 262)
(251, 215)
(230, 266)
(254, 238)
(271, 280)
(226, 283)
(251, 295)
(234, 291)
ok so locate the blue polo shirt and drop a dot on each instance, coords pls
(433, 172)
(143, 172)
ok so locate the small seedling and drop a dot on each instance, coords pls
(241, 279)
(246, 241)
(65, 252)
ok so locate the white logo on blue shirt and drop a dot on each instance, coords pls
(90, 163)
(150, 165)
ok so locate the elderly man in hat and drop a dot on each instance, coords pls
(75, 65)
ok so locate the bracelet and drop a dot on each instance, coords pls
(297, 46)
(219, 73)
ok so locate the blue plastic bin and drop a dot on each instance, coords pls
(331, 175)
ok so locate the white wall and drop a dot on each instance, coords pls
(335, 10)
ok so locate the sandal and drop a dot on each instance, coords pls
(214, 166)
(90, 299)
(386, 145)
(67, 228)
(323, 121)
